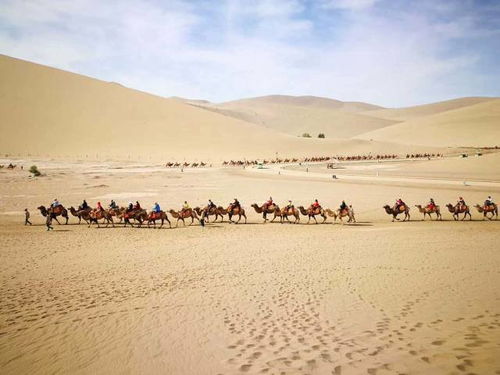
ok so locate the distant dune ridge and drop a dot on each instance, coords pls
(471, 125)
(50, 112)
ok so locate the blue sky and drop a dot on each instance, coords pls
(392, 53)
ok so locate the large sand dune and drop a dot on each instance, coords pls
(51, 113)
(298, 115)
(409, 113)
(472, 125)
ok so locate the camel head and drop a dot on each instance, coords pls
(43, 210)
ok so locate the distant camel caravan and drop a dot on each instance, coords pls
(135, 216)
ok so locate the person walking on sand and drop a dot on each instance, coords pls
(48, 222)
(27, 217)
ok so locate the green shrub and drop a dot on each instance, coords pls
(306, 135)
(35, 171)
(321, 135)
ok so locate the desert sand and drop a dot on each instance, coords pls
(371, 297)
(374, 297)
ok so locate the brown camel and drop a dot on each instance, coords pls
(54, 212)
(233, 211)
(153, 216)
(138, 215)
(312, 213)
(349, 212)
(402, 210)
(485, 210)
(81, 214)
(456, 211)
(181, 215)
(288, 211)
(272, 209)
(430, 210)
(118, 213)
(96, 215)
(205, 213)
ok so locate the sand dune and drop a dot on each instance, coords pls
(52, 113)
(408, 113)
(473, 125)
(304, 101)
(298, 115)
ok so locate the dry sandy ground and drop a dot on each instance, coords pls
(372, 298)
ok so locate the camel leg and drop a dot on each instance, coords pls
(55, 218)
(67, 218)
(324, 219)
(315, 221)
(239, 218)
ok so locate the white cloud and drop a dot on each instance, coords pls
(348, 4)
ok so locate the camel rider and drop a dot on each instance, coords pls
(84, 205)
(343, 206)
(399, 204)
(99, 207)
(289, 206)
(210, 205)
(431, 205)
(113, 205)
(130, 207)
(235, 204)
(156, 208)
(269, 203)
(55, 203)
(137, 206)
(489, 202)
(185, 207)
(315, 206)
(460, 203)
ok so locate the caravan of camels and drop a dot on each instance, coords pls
(135, 215)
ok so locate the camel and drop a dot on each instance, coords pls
(180, 215)
(428, 211)
(96, 215)
(205, 213)
(54, 212)
(233, 211)
(349, 212)
(153, 216)
(118, 212)
(285, 212)
(138, 215)
(402, 210)
(273, 209)
(485, 210)
(81, 214)
(311, 213)
(456, 211)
